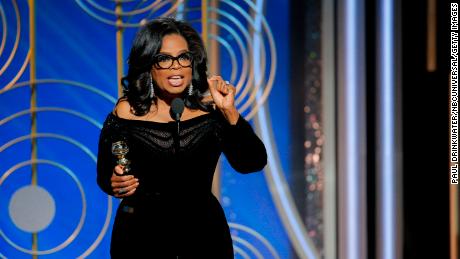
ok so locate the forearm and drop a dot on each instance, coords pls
(231, 115)
(243, 148)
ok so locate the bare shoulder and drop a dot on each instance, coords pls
(123, 109)
(190, 114)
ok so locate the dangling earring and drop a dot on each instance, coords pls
(190, 89)
(152, 90)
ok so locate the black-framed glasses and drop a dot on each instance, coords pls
(165, 61)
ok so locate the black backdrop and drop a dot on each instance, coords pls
(424, 124)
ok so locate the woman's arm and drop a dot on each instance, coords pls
(244, 150)
(105, 160)
(119, 185)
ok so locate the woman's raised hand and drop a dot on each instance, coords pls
(223, 94)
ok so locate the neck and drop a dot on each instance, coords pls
(165, 100)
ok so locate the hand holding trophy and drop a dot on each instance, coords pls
(120, 149)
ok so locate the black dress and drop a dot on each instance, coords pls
(173, 212)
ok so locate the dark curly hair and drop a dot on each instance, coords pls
(146, 44)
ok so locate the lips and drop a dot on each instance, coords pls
(176, 80)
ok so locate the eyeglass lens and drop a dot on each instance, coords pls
(166, 61)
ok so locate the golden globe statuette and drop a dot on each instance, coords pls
(120, 149)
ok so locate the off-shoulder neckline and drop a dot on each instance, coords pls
(196, 118)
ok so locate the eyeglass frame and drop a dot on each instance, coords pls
(156, 64)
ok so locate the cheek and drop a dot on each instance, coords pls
(157, 76)
(189, 74)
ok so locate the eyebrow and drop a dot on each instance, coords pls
(169, 53)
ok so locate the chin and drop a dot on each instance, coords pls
(175, 90)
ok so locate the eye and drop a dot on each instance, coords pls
(163, 58)
(185, 57)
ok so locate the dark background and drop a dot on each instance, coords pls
(425, 134)
(425, 108)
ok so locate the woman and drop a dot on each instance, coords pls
(168, 208)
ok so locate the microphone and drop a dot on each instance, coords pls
(177, 107)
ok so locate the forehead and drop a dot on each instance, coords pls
(173, 43)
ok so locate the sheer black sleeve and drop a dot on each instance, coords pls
(244, 150)
(105, 160)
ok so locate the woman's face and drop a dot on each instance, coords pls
(172, 81)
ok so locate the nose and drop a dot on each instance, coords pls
(175, 64)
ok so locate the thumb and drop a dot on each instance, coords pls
(119, 170)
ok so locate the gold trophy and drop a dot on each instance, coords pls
(120, 149)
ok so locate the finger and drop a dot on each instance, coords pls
(123, 190)
(220, 87)
(223, 87)
(130, 187)
(126, 183)
(121, 193)
(231, 90)
(212, 83)
(216, 77)
(226, 89)
(124, 178)
(131, 192)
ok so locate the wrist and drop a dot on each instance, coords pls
(231, 115)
